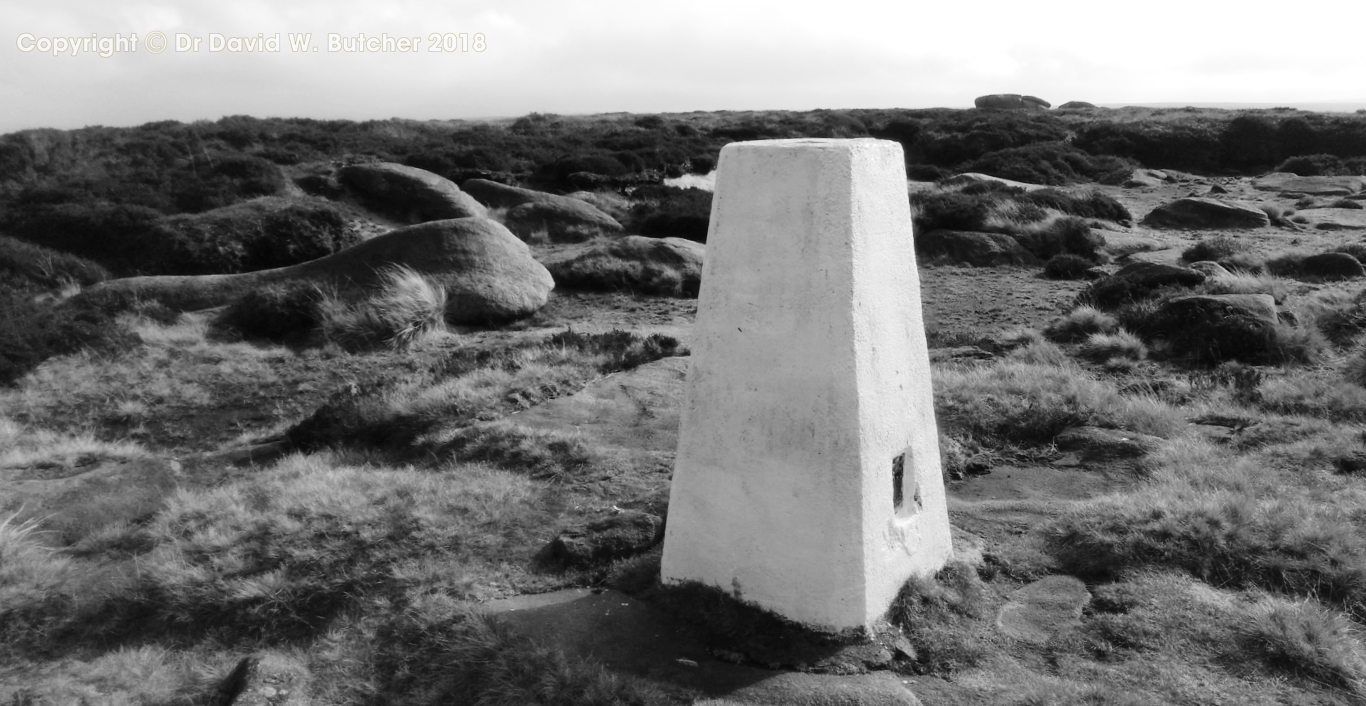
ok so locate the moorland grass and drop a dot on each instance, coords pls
(474, 385)
(1028, 399)
(1308, 641)
(1080, 323)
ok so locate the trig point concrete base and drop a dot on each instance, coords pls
(807, 479)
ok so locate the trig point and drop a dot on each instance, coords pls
(807, 479)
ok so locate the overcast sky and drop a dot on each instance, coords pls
(567, 56)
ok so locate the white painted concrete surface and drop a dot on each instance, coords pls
(809, 375)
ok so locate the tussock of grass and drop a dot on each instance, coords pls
(1246, 283)
(21, 447)
(1018, 401)
(282, 552)
(30, 572)
(1282, 542)
(1081, 323)
(1308, 641)
(937, 615)
(1102, 347)
(1215, 248)
(407, 308)
(1310, 395)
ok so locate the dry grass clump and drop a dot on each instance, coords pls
(1246, 283)
(1215, 249)
(31, 573)
(1279, 216)
(1307, 640)
(1339, 316)
(1081, 323)
(280, 553)
(1016, 401)
(939, 616)
(407, 308)
(1225, 533)
(1102, 347)
(22, 447)
(1311, 395)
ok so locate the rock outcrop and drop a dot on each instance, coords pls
(1137, 280)
(1315, 185)
(496, 195)
(668, 266)
(409, 194)
(1077, 105)
(1010, 101)
(489, 274)
(1202, 212)
(1218, 327)
(613, 537)
(563, 220)
(1332, 265)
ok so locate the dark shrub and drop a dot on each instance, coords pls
(1249, 141)
(106, 233)
(952, 210)
(926, 172)
(245, 237)
(1051, 163)
(1214, 249)
(277, 312)
(1067, 266)
(1312, 165)
(702, 164)
(31, 332)
(28, 266)
(664, 212)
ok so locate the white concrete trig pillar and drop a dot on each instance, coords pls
(807, 479)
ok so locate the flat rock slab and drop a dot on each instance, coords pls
(636, 410)
(629, 636)
(1038, 611)
(1317, 185)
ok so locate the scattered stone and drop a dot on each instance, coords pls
(972, 248)
(1040, 610)
(488, 274)
(1201, 212)
(1315, 185)
(616, 536)
(1010, 101)
(1217, 189)
(668, 266)
(1332, 266)
(1333, 225)
(409, 194)
(1210, 269)
(563, 220)
(1096, 445)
